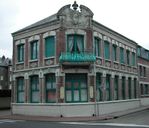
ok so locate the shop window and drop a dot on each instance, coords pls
(50, 88)
(50, 46)
(116, 88)
(108, 93)
(129, 88)
(123, 88)
(76, 88)
(99, 87)
(34, 88)
(20, 90)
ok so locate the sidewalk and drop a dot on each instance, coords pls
(8, 115)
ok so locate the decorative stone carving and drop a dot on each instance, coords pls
(115, 65)
(99, 62)
(79, 16)
(33, 64)
(20, 66)
(49, 62)
(108, 64)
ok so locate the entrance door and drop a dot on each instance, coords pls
(76, 88)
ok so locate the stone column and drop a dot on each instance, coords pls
(60, 82)
(43, 90)
(120, 87)
(26, 83)
(91, 86)
(40, 86)
(126, 88)
(102, 51)
(14, 91)
(103, 79)
(41, 51)
(112, 86)
(132, 88)
(26, 53)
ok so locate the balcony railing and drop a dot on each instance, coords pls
(77, 57)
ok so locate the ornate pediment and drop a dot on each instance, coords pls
(74, 15)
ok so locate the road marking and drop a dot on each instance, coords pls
(106, 124)
(9, 121)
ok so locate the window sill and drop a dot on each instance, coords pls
(116, 62)
(52, 57)
(108, 60)
(33, 60)
(20, 62)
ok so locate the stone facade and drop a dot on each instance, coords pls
(87, 65)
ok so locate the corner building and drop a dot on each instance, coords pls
(70, 65)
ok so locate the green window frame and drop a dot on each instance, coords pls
(114, 52)
(142, 89)
(133, 59)
(50, 46)
(97, 46)
(123, 88)
(34, 89)
(20, 90)
(50, 82)
(108, 89)
(107, 50)
(99, 87)
(75, 43)
(76, 88)
(129, 88)
(116, 88)
(21, 53)
(128, 57)
(34, 50)
(122, 55)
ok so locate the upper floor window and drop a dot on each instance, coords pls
(128, 57)
(133, 59)
(114, 52)
(21, 53)
(97, 46)
(122, 55)
(34, 50)
(107, 50)
(75, 43)
(50, 46)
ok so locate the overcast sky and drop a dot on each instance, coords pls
(127, 17)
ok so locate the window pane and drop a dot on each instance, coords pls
(35, 96)
(68, 96)
(50, 46)
(51, 96)
(49, 85)
(34, 50)
(83, 94)
(21, 96)
(107, 50)
(76, 95)
(83, 85)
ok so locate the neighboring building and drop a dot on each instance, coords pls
(70, 65)
(5, 66)
(5, 82)
(143, 71)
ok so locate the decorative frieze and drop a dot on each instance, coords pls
(20, 66)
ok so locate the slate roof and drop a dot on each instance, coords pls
(46, 20)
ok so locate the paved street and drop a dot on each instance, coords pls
(135, 120)
(141, 117)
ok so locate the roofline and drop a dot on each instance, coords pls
(113, 31)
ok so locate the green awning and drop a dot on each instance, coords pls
(77, 57)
